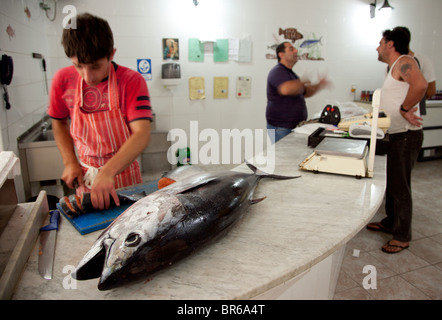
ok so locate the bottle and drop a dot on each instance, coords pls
(183, 156)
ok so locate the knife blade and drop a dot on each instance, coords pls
(48, 235)
(76, 185)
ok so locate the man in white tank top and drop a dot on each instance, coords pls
(427, 68)
(401, 93)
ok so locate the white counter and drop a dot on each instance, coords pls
(432, 125)
(299, 226)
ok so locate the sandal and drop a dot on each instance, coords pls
(394, 248)
(377, 226)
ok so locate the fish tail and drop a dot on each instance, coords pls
(281, 31)
(263, 174)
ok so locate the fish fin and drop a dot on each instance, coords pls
(263, 174)
(195, 186)
(143, 194)
(281, 31)
(257, 200)
(253, 168)
(132, 197)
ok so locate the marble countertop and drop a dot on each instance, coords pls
(300, 223)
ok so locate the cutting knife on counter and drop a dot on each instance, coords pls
(48, 235)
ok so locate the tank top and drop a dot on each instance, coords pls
(392, 96)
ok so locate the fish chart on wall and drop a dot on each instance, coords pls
(309, 46)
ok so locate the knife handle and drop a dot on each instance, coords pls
(53, 221)
(76, 185)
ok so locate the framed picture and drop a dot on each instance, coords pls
(171, 49)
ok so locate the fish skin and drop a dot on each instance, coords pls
(168, 225)
(291, 34)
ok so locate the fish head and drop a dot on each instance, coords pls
(127, 249)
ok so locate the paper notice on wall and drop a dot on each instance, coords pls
(221, 50)
(234, 49)
(220, 87)
(243, 87)
(245, 50)
(197, 89)
(240, 50)
(196, 50)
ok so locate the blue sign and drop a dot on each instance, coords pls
(144, 68)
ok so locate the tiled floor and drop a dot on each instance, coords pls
(414, 274)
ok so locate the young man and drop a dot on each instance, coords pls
(109, 110)
(286, 106)
(402, 91)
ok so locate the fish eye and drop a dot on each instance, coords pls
(132, 240)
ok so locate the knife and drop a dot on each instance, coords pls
(46, 252)
(76, 185)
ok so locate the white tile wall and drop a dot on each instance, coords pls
(349, 39)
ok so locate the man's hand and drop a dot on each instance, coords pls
(312, 89)
(411, 117)
(102, 189)
(103, 186)
(70, 173)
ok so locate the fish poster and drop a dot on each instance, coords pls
(308, 44)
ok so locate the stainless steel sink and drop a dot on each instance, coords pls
(47, 135)
(40, 159)
(40, 132)
(37, 136)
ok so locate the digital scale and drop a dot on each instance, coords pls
(346, 156)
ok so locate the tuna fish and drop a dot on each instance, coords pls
(168, 225)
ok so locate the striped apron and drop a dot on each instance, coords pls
(99, 135)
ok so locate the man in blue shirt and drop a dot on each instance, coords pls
(286, 92)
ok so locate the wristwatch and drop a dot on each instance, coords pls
(402, 109)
